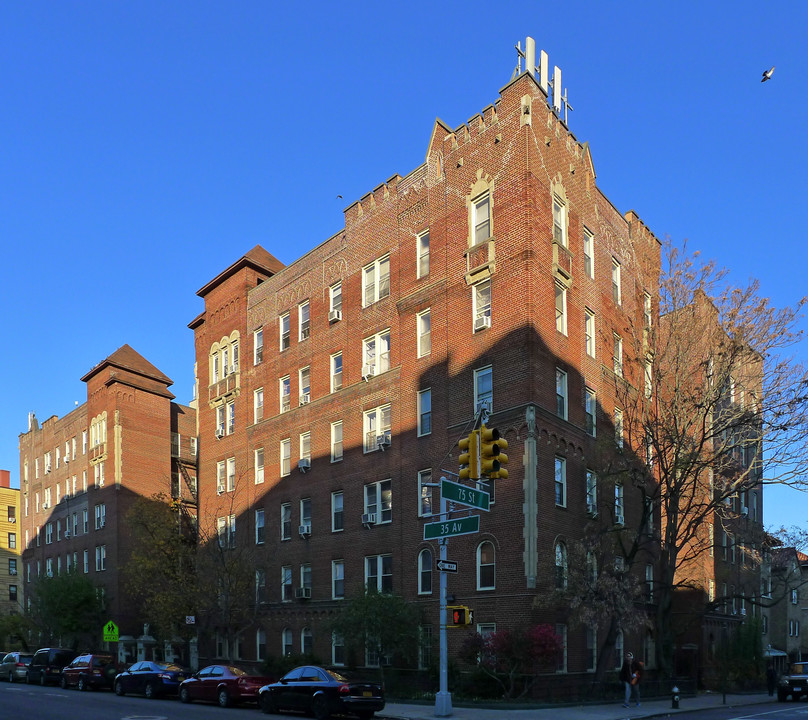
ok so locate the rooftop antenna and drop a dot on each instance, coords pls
(544, 64)
(567, 106)
(556, 85)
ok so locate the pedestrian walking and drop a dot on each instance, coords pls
(771, 679)
(630, 676)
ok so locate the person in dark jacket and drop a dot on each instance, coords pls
(630, 676)
(771, 679)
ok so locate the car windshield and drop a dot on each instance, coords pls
(798, 669)
(238, 672)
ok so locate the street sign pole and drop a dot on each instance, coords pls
(443, 698)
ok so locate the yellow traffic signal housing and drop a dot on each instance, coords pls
(459, 615)
(492, 457)
(468, 456)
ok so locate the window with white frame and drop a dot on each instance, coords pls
(377, 432)
(591, 492)
(376, 354)
(560, 482)
(379, 573)
(336, 441)
(649, 582)
(261, 642)
(286, 457)
(286, 586)
(425, 572)
(259, 466)
(337, 650)
(422, 251)
(259, 526)
(260, 586)
(304, 383)
(481, 218)
(100, 515)
(561, 308)
(226, 531)
(646, 311)
(284, 332)
(590, 409)
(425, 493)
(305, 446)
(617, 291)
(336, 372)
(619, 512)
(617, 355)
(561, 394)
(484, 388)
(337, 579)
(618, 427)
(286, 521)
(258, 405)
(221, 476)
(424, 647)
(649, 378)
(589, 332)
(559, 222)
(221, 421)
(100, 558)
(285, 391)
(303, 322)
(425, 412)
(379, 500)
(258, 346)
(337, 511)
(335, 297)
(486, 566)
(376, 281)
(589, 253)
(560, 565)
(482, 304)
(424, 325)
(231, 474)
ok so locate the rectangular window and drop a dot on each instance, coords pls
(379, 501)
(286, 586)
(337, 650)
(305, 511)
(377, 431)
(286, 521)
(484, 389)
(590, 408)
(258, 346)
(376, 354)
(481, 218)
(560, 482)
(482, 305)
(589, 253)
(285, 391)
(646, 310)
(424, 333)
(337, 511)
(561, 394)
(617, 355)
(619, 516)
(649, 583)
(649, 379)
(337, 579)
(100, 558)
(591, 492)
(258, 405)
(303, 321)
(335, 301)
(259, 527)
(283, 331)
(86, 561)
(425, 493)
(591, 649)
(561, 308)
(379, 573)
(336, 372)
(304, 383)
(260, 587)
(422, 250)
(425, 412)
(259, 466)
(559, 222)
(305, 446)
(589, 330)
(12, 541)
(221, 476)
(231, 474)
(617, 292)
(618, 427)
(286, 457)
(376, 281)
(336, 441)
(561, 663)
(100, 516)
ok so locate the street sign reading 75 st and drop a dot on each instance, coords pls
(464, 495)
(451, 528)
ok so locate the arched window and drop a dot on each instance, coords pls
(425, 572)
(560, 565)
(486, 566)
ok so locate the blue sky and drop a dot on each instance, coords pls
(144, 146)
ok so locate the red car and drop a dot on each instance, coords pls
(224, 684)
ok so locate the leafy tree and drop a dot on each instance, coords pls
(14, 629)
(513, 658)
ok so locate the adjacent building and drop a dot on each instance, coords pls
(11, 591)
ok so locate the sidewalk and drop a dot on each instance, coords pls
(610, 711)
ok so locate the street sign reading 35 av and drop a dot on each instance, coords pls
(451, 528)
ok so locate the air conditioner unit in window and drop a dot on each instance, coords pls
(484, 321)
(369, 519)
(368, 371)
(305, 398)
(12, 520)
(304, 530)
(219, 434)
(743, 611)
(302, 593)
(382, 442)
(67, 534)
(45, 506)
(334, 315)
(67, 459)
(304, 464)
(12, 572)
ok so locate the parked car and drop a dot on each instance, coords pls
(90, 671)
(795, 683)
(321, 692)
(225, 684)
(15, 666)
(151, 679)
(47, 664)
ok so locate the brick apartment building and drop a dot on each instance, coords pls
(11, 595)
(333, 391)
(81, 473)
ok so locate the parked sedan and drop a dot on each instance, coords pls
(151, 679)
(321, 692)
(225, 684)
(15, 666)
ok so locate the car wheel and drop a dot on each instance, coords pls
(224, 698)
(11, 677)
(42, 680)
(63, 683)
(267, 703)
(82, 684)
(319, 707)
(185, 696)
(119, 691)
(148, 691)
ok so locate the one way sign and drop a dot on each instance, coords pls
(447, 566)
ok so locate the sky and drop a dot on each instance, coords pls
(145, 146)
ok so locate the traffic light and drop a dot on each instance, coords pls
(468, 456)
(492, 457)
(459, 615)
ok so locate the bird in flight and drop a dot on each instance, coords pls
(767, 75)
(339, 197)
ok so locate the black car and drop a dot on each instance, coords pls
(47, 664)
(321, 692)
(795, 683)
(151, 679)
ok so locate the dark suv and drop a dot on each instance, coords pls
(90, 671)
(46, 666)
(795, 683)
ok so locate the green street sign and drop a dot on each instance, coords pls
(451, 528)
(110, 632)
(465, 495)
